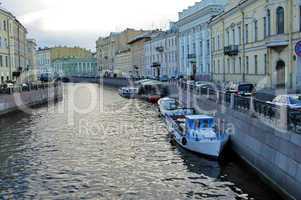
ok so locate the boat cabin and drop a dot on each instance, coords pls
(198, 127)
(168, 104)
(129, 90)
(199, 122)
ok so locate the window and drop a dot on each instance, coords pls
(218, 42)
(247, 34)
(233, 66)
(264, 26)
(208, 47)
(256, 64)
(201, 48)
(228, 37)
(268, 23)
(218, 67)
(266, 63)
(239, 35)
(194, 49)
(256, 30)
(300, 18)
(247, 65)
(280, 20)
(6, 61)
(4, 25)
(233, 36)
(1, 61)
(239, 65)
(228, 62)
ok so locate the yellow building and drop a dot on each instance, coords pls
(109, 47)
(12, 47)
(254, 41)
(69, 52)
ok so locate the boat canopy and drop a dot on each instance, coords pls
(197, 122)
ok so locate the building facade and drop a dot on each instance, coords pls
(194, 38)
(75, 67)
(12, 47)
(123, 63)
(254, 41)
(161, 54)
(137, 53)
(43, 59)
(108, 47)
(31, 68)
(46, 56)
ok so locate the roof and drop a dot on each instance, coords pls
(194, 117)
(152, 82)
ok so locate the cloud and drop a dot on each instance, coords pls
(68, 21)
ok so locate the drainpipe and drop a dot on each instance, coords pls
(291, 51)
(243, 47)
(224, 59)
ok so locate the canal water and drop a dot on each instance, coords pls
(97, 145)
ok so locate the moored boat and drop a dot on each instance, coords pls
(170, 107)
(197, 133)
(128, 92)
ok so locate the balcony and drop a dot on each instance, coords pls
(160, 49)
(231, 50)
(156, 64)
(191, 56)
(277, 41)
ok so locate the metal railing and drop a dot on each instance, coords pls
(4, 90)
(288, 117)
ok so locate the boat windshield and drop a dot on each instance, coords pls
(172, 106)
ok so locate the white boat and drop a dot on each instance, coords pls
(170, 107)
(129, 92)
(197, 133)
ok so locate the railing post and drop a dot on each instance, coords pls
(232, 103)
(208, 93)
(283, 117)
(252, 107)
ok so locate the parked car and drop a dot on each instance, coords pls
(291, 101)
(190, 84)
(164, 78)
(242, 89)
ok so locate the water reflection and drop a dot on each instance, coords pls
(120, 150)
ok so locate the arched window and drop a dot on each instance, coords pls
(280, 20)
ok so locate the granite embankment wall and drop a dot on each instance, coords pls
(19, 100)
(274, 153)
(116, 82)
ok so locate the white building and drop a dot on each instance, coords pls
(194, 38)
(161, 53)
(43, 59)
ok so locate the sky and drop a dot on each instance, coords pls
(80, 23)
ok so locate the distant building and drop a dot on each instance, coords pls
(109, 47)
(161, 53)
(194, 38)
(137, 44)
(123, 63)
(254, 41)
(45, 57)
(75, 67)
(12, 47)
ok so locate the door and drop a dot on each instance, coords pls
(280, 69)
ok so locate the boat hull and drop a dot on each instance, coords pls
(208, 147)
(211, 148)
